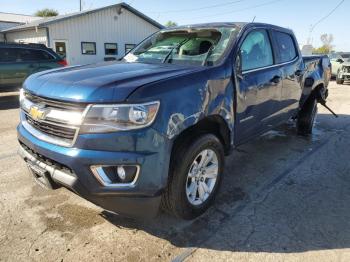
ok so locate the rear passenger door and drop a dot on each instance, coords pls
(28, 59)
(291, 64)
(259, 85)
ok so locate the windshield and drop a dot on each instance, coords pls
(345, 57)
(204, 46)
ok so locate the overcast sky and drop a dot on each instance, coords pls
(298, 15)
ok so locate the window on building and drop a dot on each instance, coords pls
(286, 47)
(256, 50)
(88, 48)
(111, 49)
(129, 47)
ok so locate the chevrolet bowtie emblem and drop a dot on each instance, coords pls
(37, 113)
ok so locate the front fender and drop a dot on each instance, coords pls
(186, 100)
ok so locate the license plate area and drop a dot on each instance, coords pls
(41, 176)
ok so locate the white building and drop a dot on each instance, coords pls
(89, 36)
(8, 20)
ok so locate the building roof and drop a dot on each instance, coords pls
(50, 20)
(17, 18)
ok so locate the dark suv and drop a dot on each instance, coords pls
(18, 61)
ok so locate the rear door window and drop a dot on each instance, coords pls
(27, 55)
(8, 55)
(256, 51)
(286, 47)
(42, 55)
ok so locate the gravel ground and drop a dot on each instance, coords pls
(284, 198)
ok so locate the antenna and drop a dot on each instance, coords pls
(254, 19)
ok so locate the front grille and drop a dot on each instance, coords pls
(53, 130)
(55, 103)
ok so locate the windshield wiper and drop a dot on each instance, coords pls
(178, 46)
(210, 50)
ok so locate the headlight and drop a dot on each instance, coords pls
(112, 118)
(21, 95)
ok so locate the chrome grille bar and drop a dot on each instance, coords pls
(52, 121)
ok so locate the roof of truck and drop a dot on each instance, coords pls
(228, 24)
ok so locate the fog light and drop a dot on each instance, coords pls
(125, 175)
(121, 172)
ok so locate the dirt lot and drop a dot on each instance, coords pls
(284, 198)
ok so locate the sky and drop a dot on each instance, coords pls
(298, 15)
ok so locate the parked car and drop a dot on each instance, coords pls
(337, 60)
(343, 73)
(18, 61)
(154, 129)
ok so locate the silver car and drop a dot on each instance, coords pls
(338, 61)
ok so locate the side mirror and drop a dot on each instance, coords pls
(238, 66)
(339, 60)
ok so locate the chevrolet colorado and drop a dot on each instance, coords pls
(152, 130)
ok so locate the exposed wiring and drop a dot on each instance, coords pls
(326, 16)
(200, 8)
(238, 10)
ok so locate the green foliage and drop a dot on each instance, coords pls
(170, 24)
(327, 46)
(323, 50)
(46, 12)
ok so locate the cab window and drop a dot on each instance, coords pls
(256, 51)
(286, 47)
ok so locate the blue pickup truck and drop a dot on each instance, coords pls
(152, 130)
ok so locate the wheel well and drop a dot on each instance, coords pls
(315, 93)
(211, 125)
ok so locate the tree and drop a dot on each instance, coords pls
(327, 40)
(323, 50)
(170, 24)
(326, 48)
(47, 12)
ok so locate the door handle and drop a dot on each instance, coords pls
(276, 79)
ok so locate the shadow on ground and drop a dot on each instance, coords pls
(281, 193)
(10, 101)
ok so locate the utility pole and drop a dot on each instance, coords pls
(80, 5)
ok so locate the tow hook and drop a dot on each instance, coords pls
(321, 98)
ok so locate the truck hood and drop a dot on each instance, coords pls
(100, 83)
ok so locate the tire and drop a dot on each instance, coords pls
(306, 117)
(339, 81)
(178, 198)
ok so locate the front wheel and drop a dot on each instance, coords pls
(339, 80)
(195, 176)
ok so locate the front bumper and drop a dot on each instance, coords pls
(71, 167)
(344, 75)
